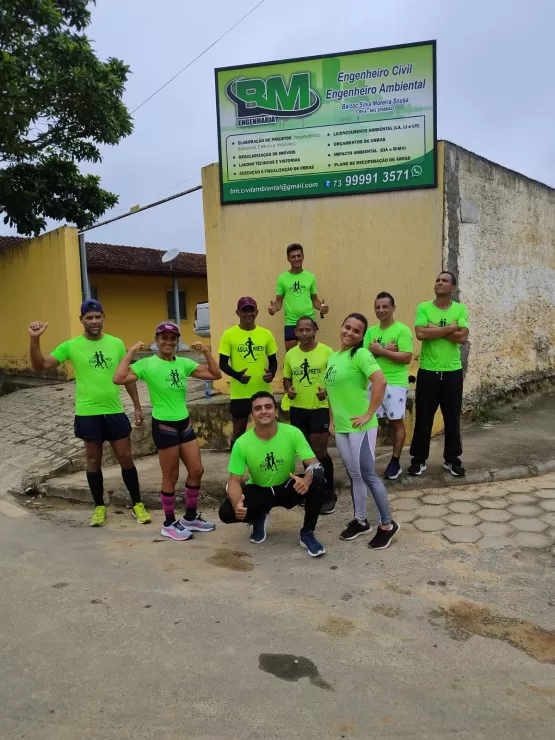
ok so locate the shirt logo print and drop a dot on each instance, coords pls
(100, 362)
(175, 381)
(271, 464)
(249, 351)
(297, 288)
(329, 376)
(306, 375)
(443, 322)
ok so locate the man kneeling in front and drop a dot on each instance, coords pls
(269, 451)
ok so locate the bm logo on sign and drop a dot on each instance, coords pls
(261, 101)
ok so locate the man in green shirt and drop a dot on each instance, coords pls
(248, 354)
(269, 451)
(303, 372)
(390, 342)
(99, 414)
(297, 289)
(442, 326)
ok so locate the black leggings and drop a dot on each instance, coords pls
(260, 500)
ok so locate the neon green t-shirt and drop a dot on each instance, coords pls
(306, 370)
(94, 362)
(441, 355)
(297, 292)
(269, 462)
(346, 381)
(167, 385)
(248, 350)
(395, 372)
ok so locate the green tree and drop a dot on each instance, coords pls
(58, 104)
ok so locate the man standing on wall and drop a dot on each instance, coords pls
(442, 326)
(297, 289)
(248, 354)
(99, 414)
(390, 342)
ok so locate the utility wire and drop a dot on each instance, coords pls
(177, 184)
(198, 56)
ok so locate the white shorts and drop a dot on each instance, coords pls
(394, 402)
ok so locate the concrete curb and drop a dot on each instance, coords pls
(473, 477)
(213, 490)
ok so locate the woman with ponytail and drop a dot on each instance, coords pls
(355, 426)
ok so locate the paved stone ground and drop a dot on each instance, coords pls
(37, 443)
(36, 433)
(518, 513)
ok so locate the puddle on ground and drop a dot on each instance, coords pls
(464, 619)
(291, 668)
(337, 626)
(230, 559)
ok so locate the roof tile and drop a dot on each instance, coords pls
(125, 260)
(120, 259)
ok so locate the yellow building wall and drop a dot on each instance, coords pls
(356, 245)
(39, 280)
(135, 305)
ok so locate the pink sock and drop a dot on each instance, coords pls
(191, 494)
(168, 504)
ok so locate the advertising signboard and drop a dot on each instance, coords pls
(359, 122)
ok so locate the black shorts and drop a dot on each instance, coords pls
(102, 428)
(172, 433)
(310, 421)
(289, 332)
(240, 408)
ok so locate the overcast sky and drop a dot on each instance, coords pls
(495, 85)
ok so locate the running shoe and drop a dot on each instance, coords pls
(141, 514)
(355, 529)
(259, 532)
(313, 547)
(198, 524)
(176, 531)
(383, 537)
(455, 468)
(416, 468)
(328, 507)
(393, 470)
(98, 519)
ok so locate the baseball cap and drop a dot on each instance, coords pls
(167, 327)
(246, 301)
(91, 305)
